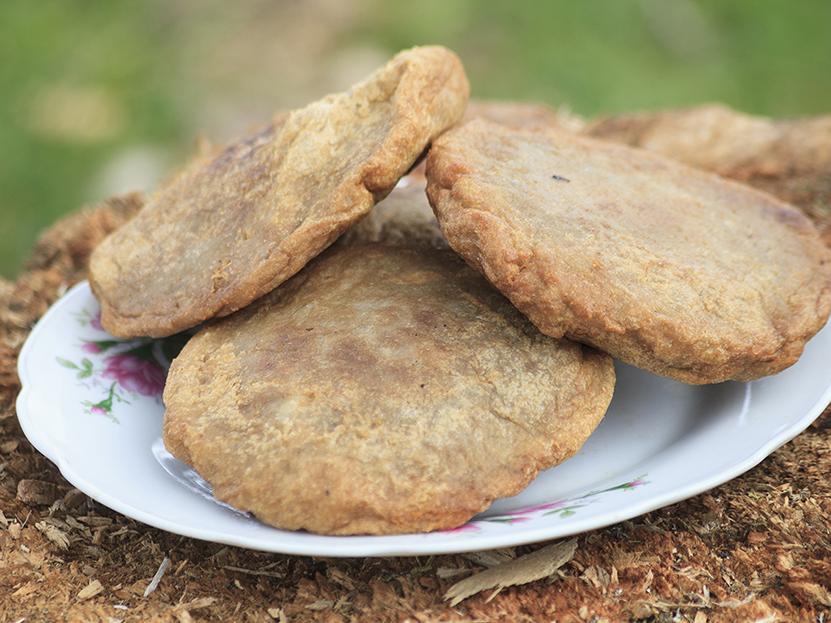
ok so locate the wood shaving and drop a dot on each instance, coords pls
(9, 446)
(199, 603)
(493, 557)
(25, 590)
(270, 574)
(96, 522)
(814, 592)
(534, 566)
(54, 534)
(451, 572)
(341, 578)
(91, 590)
(36, 492)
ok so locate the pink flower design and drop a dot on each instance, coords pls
(95, 321)
(105, 407)
(98, 346)
(134, 372)
(527, 510)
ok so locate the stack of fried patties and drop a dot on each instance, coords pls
(423, 366)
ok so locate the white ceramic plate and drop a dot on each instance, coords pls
(92, 405)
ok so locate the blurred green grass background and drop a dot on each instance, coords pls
(105, 97)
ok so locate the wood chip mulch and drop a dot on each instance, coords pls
(755, 549)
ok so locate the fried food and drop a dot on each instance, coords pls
(788, 158)
(383, 389)
(519, 115)
(232, 227)
(663, 266)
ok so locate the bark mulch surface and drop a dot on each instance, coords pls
(755, 549)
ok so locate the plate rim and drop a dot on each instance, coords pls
(340, 546)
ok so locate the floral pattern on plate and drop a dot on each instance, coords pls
(654, 426)
(562, 508)
(116, 371)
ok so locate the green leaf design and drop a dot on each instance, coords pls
(565, 511)
(67, 364)
(104, 345)
(86, 371)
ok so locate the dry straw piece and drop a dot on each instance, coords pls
(154, 583)
(531, 567)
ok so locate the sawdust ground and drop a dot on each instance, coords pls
(755, 549)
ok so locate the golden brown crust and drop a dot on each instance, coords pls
(671, 269)
(789, 158)
(234, 226)
(383, 389)
(517, 115)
